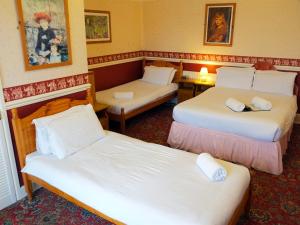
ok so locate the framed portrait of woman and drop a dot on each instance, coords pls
(219, 24)
(45, 33)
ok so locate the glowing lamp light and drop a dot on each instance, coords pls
(203, 73)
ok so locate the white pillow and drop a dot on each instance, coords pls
(233, 77)
(75, 131)
(172, 76)
(41, 124)
(273, 81)
(157, 75)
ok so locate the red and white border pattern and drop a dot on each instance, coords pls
(195, 56)
(114, 57)
(42, 87)
(28, 90)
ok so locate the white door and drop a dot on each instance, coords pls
(7, 191)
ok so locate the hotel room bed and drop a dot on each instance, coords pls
(128, 181)
(146, 95)
(255, 139)
(208, 110)
(142, 183)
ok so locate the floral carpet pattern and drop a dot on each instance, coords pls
(275, 200)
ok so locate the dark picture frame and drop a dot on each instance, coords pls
(97, 26)
(45, 33)
(219, 24)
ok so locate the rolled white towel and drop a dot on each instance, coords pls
(123, 95)
(235, 105)
(211, 168)
(261, 103)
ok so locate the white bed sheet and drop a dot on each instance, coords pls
(208, 110)
(143, 93)
(141, 183)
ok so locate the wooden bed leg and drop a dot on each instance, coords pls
(28, 187)
(144, 62)
(122, 121)
(123, 126)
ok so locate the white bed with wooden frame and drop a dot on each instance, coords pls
(160, 185)
(147, 96)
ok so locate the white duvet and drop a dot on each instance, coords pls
(208, 110)
(143, 93)
(141, 183)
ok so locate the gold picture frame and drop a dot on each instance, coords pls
(45, 33)
(219, 24)
(97, 26)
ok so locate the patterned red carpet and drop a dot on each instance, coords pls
(275, 199)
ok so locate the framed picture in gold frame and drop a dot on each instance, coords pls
(45, 33)
(219, 24)
(97, 26)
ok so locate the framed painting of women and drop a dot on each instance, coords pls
(45, 33)
(219, 24)
(97, 26)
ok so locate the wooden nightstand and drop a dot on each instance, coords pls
(100, 110)
(197, 83)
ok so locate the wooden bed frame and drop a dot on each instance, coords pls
(125, 116)
(24, 132)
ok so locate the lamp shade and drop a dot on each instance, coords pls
(203, 71)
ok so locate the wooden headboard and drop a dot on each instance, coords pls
(160, 63)
(24, 130)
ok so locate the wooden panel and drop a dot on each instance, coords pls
(197, 67)
(24, 130)
(298, 86)
(243, 208)
(111, 76)
(123, 117)
(27, 110)
(73, 200)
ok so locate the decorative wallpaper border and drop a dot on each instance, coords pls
(42, 87)
(194, 56)
(114, 57)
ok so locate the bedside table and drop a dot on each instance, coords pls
(100, 110)
(197, 83)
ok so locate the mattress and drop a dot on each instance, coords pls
(141, 183)
(208, 110)
(144, 93)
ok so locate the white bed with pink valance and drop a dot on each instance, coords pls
(255, 139)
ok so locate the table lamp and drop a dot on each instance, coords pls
(203, 74)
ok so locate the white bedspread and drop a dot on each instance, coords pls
(141, 183)
(143, 93)
(208, 110)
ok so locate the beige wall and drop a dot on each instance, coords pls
(262, 27)
(126, 26)
(12, 70)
